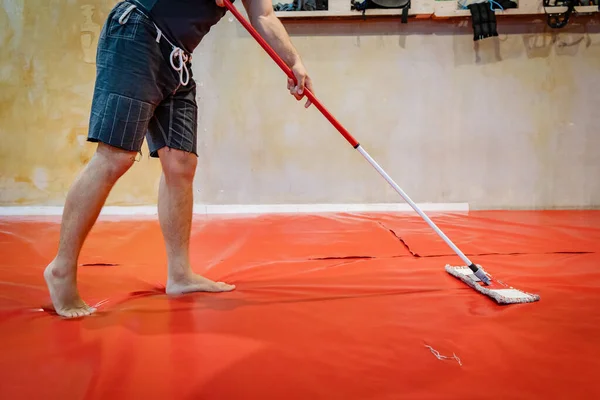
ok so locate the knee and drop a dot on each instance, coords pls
(178, 166)
(113, 161)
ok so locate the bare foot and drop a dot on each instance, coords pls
(64, 294)
(196, 283)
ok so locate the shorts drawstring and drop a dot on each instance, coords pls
(125, 17)
(177, 53)
(182, 68)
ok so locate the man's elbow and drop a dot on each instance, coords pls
(263, 19)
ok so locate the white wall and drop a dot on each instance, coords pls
(496, 123)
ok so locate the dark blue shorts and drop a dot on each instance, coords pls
(138, 93)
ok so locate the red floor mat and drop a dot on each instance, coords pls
(305, 322)
(500, 232)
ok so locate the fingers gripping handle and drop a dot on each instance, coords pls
(288, 71)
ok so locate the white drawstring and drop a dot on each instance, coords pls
(125, 17)
(182, 67)
(177, 52)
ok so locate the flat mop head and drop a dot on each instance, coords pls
(499, 291)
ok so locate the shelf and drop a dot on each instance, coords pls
(450, 8)
(424, 9)
(343, 8)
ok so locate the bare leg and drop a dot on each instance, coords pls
(82, 207)
(175, 204)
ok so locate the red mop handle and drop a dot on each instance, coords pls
(290, 74)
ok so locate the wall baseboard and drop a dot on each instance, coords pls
(233, 209)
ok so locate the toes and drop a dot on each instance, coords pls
(87, 311)
(84, 312)
(68, 313)
(76, 313)
(225, 287)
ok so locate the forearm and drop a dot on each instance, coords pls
(274, 33)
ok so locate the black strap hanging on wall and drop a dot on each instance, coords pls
(404, 5)
(302, 5)
(484, 20)
(483, 16)
(502, 4)
(559, 20)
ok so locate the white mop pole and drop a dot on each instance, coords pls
(415, 207)
(476, 270)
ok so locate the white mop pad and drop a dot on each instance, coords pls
(499, 291)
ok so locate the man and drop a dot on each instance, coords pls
(145, 88)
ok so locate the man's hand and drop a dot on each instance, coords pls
(303, 82)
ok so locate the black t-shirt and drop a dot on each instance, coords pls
(184, 21)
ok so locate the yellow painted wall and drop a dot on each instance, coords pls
(47, 70)
(509, 122)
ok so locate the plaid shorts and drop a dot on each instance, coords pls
(140, 90)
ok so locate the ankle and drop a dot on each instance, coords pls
(61, 269)
(179, 274)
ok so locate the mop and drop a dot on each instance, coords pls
(473, 275)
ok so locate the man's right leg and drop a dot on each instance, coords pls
(82, 207)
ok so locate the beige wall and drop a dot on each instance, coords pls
(510, 122)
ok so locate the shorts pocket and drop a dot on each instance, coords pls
(125, 121)
(125, 28)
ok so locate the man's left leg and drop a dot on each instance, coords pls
(175, 205)
(172, 137)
